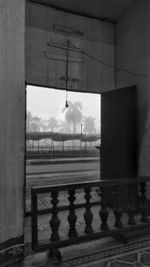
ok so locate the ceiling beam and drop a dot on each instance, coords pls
(70, 11)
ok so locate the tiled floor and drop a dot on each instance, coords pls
(105, 253)
(136, 259)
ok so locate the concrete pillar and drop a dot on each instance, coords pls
(12, 122)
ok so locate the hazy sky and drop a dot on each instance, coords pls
(45, 103)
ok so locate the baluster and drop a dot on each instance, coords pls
(117, 209)
(131, 209)
(54, 222)
(88, 215)
(103, 212)
(144, 217)
(72, 218)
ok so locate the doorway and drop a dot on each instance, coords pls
(62, 138)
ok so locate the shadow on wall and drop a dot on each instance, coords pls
(144, 152)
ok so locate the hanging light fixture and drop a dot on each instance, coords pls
(67, 51)
(66, 104)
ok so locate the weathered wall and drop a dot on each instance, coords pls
(133, 67)
(54, 37)
(12, 110)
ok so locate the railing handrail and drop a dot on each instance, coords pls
(108, 182)
(133, 188)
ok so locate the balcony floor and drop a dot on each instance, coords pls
(106, 252)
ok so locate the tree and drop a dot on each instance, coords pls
(28, 121)
(89, 125)
(36, 124)
(44, 125)
(32, 123)
(52, 123)
(73, 115)
(63, 127)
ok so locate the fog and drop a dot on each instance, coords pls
(46, 103)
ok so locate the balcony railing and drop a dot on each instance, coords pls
(91, 210)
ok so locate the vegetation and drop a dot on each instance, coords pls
(89, 125)
(72, 123)
(52, 124)
(73, 115)
(33, 124)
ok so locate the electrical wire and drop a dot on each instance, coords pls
(109, 65)
(76, 49)
(132, 73)
(66, 95)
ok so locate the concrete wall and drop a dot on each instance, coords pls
(133, 67)
(90, 43)
(12, 110)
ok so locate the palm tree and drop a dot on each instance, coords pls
(89, 125)
(73, 115)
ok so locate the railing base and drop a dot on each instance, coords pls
(77, 255)
(54, 253)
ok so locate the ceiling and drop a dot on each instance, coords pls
(109, 10)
